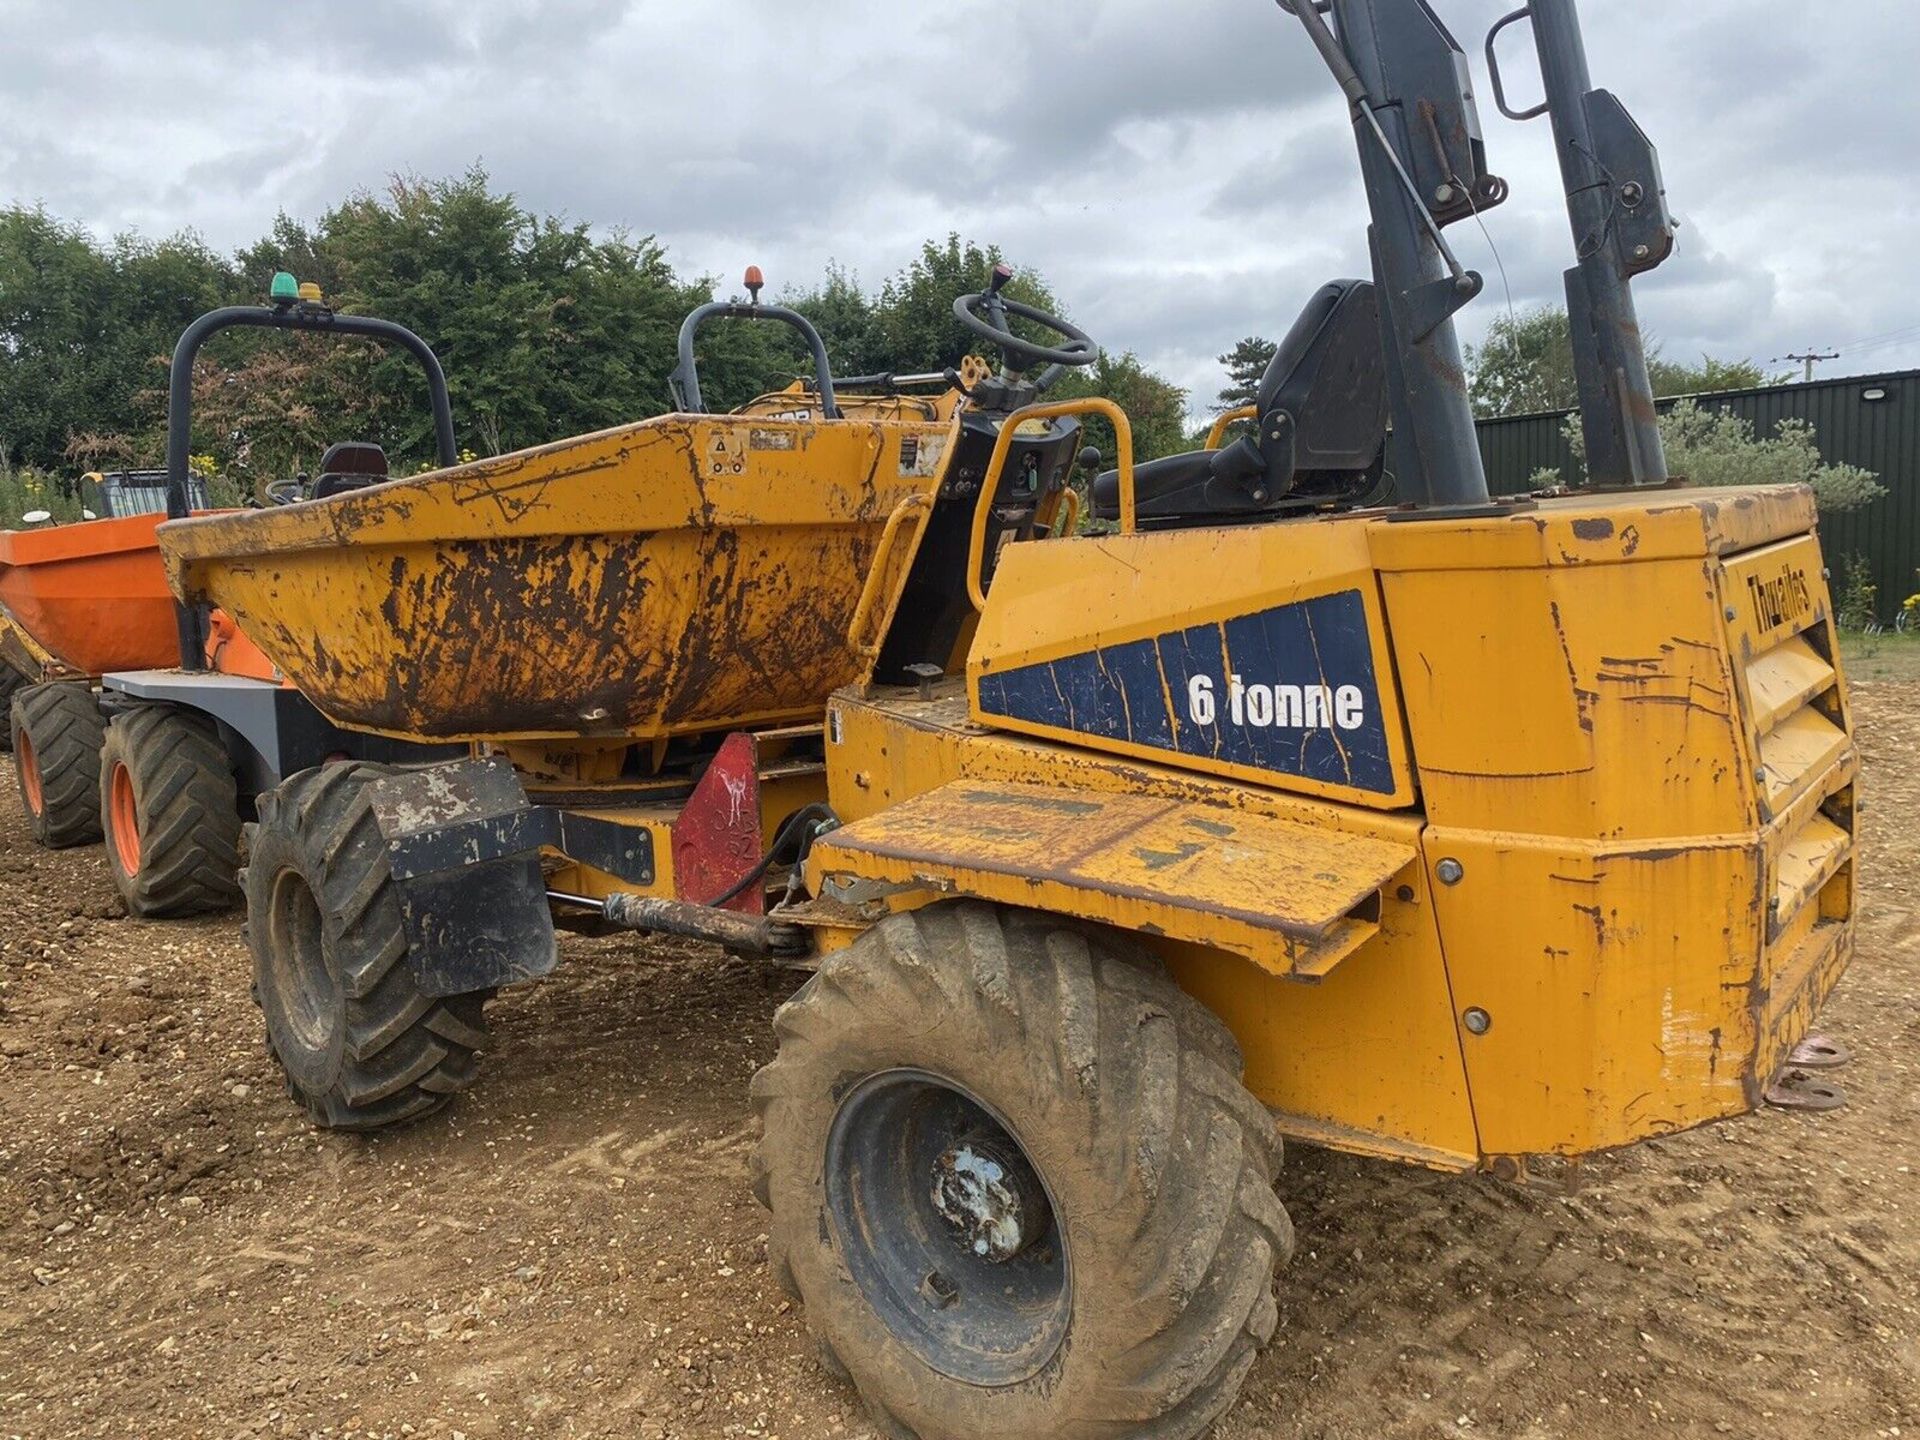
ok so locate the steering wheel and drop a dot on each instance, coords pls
(1022, 354)
(286, 492)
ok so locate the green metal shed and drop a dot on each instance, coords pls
(1872, 421)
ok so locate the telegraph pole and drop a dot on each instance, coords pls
(1808, 356)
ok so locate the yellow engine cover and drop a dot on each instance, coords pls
(1258, 652)
(1616, 725)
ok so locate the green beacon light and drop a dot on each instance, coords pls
(284, 290)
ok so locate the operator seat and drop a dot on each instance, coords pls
(1320, 427)
(349, 465)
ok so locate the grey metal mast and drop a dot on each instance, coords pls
(1424, 163)
(1411, 99)
(1617, 205)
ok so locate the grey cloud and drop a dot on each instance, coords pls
(1182, 173)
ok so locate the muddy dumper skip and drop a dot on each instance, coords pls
(1466, 833)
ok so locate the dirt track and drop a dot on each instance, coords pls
(573, 1249)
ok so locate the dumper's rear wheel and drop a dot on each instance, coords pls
(170, 810)
(361, 1044)
(11, 680)
(57, 730)
(1016, 1180)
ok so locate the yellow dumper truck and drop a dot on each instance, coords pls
(1437, 827)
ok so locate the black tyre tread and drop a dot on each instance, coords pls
(62, 718)
(189, 811)
(1189, 1158)
(11, 682)
(405, 1053)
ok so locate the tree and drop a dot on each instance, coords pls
(1525, 366)
(1713, 446)
(848, 320)
(917, 328)
(85, 329)
(545, 328)
(1710, 375)
(1246, 365)
(1156, 410)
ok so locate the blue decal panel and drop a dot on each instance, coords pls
(1289, 690)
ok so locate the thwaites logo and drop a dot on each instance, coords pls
(1290, 690)
(1780, 598)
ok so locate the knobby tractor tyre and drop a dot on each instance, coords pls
(170, 812)
(361, 1045)
(11, 680)
(57, 730)
(1015, 1178)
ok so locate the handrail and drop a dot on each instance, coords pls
(301, 315)
(876, 572)
(685, 379)
(990, 482)
(1219, 431)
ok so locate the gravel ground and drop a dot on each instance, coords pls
(572, 1250)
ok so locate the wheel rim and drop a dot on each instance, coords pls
(29, 773)
(948, 1227)
(123, 816)
(309, 996)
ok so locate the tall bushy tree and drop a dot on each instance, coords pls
(1671, 377)
(916, 323)
(1525, 365)
(1156, 409)
(85, 329)
(848, 320)
(546, 329)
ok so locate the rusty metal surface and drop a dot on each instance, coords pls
(1817, 1052)
(1296, 899)
(686, 574)
(1800, 1089)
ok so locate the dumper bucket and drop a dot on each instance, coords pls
(688, 573)
(92, 595)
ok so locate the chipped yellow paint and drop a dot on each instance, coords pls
(1085, 594)
(1365, 1059)
(1295, 899)
(681, 575)
(1628, 774)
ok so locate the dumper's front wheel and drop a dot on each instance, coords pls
(170, 810)
(361, 1043)
(1016, 1180)
(57, 731)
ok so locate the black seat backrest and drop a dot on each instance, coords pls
(1319, 434)
(1322, 402)
(349, 465)
(1328, 373)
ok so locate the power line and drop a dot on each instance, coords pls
(1896, 337)
(1873, 341)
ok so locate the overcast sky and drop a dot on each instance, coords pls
(1179, 170)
